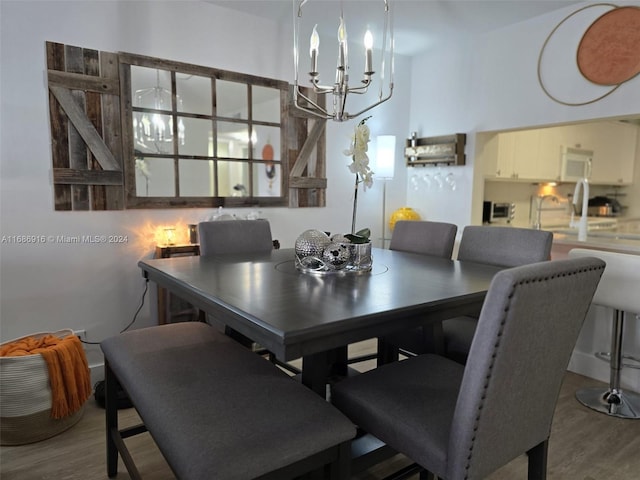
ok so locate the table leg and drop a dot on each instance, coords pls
(163, 306)
(315, 372)
(319, 368)
(433, 337)
(387, 352)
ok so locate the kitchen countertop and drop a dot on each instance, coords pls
(563, 242)
(622, 237)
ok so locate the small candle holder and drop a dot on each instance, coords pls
(193, 234)
(170, 236)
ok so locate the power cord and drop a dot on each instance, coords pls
(135, 315)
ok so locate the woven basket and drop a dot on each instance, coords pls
(25, 398)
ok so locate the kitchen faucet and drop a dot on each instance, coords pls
(582, 224)
(539, 201)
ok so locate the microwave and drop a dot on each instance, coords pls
(576, 164)
(498, 212)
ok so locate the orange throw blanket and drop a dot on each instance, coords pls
(68, 369)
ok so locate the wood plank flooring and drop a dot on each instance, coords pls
(584, 445)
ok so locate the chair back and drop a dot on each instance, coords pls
(234, 236)
(527, 329)
(504, 246)
(619, 287)
(428, 238)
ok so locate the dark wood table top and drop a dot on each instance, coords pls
(293, 314)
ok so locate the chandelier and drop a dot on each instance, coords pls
(153, 127)
(341, 89)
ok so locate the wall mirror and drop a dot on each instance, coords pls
(201, 136)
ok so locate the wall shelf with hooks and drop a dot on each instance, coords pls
(445, 150)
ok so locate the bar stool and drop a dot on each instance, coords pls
(619, 289)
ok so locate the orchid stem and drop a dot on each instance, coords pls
(355, 204)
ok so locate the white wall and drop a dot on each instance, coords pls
(97, 287)
(467, 85)
(490, 83)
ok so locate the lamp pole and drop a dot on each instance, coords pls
(384, 213)
(384, 168)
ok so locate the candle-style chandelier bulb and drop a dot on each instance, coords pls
(368, 47)
(341, 89)
(314, 49)
(342, 44)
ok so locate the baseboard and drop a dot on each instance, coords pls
(588, 365)
(97, 372)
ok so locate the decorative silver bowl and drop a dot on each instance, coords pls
(318, 254)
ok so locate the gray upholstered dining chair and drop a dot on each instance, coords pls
(501, 246)
(238, 236)
(426, 238)
(234, 236)
(464, 422)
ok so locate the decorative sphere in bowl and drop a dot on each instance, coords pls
(311, 243)
(336, 255)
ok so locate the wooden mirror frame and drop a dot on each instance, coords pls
(93, 157)
(133, 200)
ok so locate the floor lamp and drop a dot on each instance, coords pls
(384, 169)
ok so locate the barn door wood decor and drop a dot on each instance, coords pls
(307, 156)
(84, 106)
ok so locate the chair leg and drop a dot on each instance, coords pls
(538, 461)
(341, 468)
(427, 475)
(111, 416)
(612, 400)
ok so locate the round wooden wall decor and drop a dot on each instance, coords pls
(609, 52)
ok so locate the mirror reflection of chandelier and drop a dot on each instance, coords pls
(153, 129)
(340, 89)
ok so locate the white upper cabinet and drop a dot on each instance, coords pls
(550, 153)
(513, 155)
(614, 153)
(536, 154)
(520, 156)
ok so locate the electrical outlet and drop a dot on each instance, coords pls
(82, 334)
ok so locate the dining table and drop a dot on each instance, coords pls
(295, 314)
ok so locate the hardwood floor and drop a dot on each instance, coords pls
(584, 445)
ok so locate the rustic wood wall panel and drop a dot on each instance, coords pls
(85, 128)
(59, 130)
(113, 194)
(89, 149)
(307, 157)
(74, 63)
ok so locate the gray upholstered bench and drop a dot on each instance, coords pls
(217, 410)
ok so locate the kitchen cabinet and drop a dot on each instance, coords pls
(550, 153)
(614, 153)
(613, 145)
(516, 155)
(536, 154)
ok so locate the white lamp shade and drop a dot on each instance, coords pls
(386, 156)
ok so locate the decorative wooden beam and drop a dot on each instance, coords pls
(307, 182)
(86, 130)
(79, 81)
(70, 176)
(310, 143)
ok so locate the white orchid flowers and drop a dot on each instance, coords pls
(358, 153)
